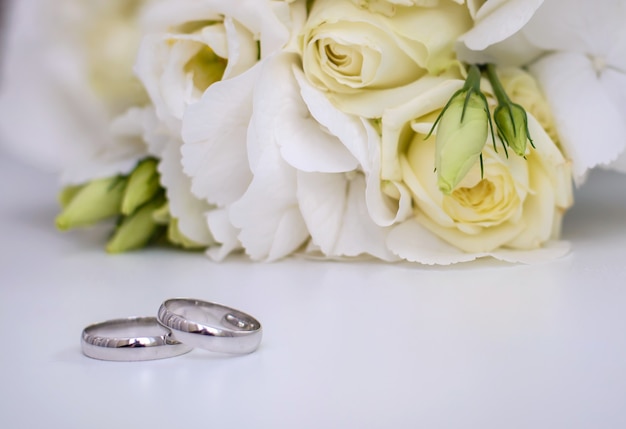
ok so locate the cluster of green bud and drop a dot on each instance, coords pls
(464, 125)
(136, 200)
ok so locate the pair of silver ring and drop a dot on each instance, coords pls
(181, 325)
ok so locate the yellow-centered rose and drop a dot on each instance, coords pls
(348, 51)
(515, 203)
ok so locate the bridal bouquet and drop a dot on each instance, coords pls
(433, 131)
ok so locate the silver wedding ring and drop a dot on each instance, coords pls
(210, 326)
(130, 339)
(181, 324)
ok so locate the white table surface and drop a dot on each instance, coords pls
(346, 345)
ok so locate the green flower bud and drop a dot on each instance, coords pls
(462, 133)
(67, 194)
(512, 125)
(461, 136)
(136, 230)
(511, 119)
(93, 202)
(143, 184)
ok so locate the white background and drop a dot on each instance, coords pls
(359, 345)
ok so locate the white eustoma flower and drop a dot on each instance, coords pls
(239, 168)
(233, 162)
(188, 46)
(66, 75)
(192, 44)
(581, 69)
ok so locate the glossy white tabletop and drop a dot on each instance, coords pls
(358, 345)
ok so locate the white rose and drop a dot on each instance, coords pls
(517, 205)
(365, 60)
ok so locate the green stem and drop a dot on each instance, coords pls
(498, 89)
(473, 79)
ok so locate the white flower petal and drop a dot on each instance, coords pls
(189, 210)
(224, 233)
(267, 214)
(242, 49)
(281, 117)
(333, 206)
(260, 17)
(163, 14)
(497, 20)
(516, 51)
(591, 128)
(550, 251)
(215, 132)
(322, 201)
(577, 26)
(347, 128)
(414, 243)
(411, 241)
(614, 83)
(384, 210)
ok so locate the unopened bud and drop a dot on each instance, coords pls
(136, 230)
(512, 124)
(143, 184)
(463, 129)
(511, 119)
(93, 202)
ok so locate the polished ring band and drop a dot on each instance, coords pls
(210, 326)
(130, 339)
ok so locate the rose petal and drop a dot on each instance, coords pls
(384, 210)
(548, 252)
(411, 241)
